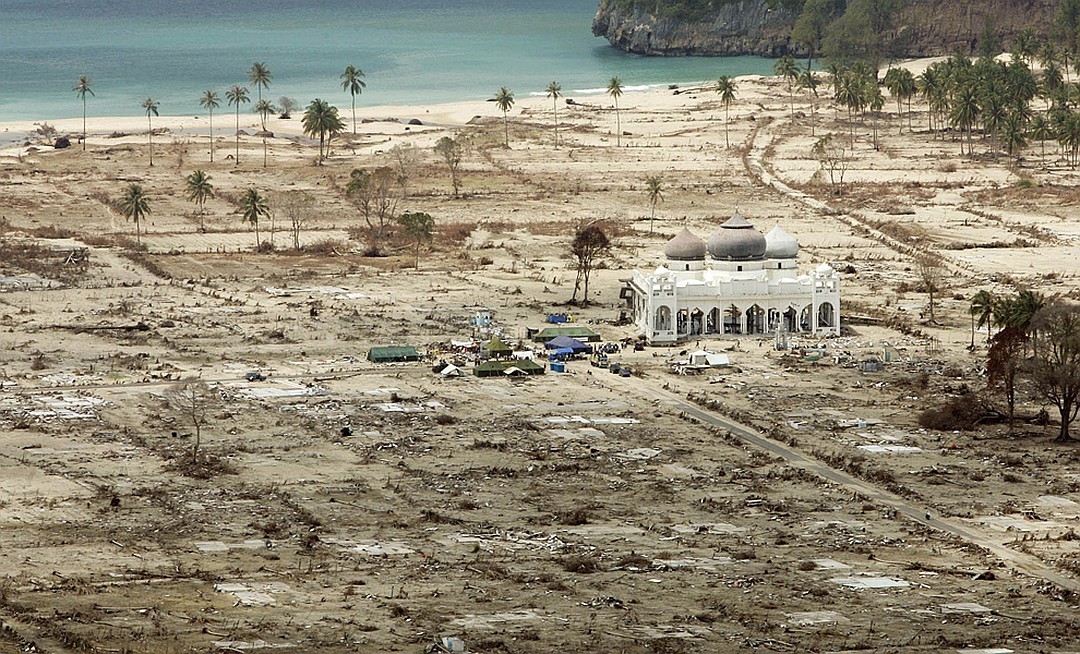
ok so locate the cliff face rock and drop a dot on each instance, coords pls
(922, 28)
(739, 28)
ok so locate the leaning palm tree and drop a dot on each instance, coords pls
(260, 77)
(253, 207)
(725, 87)
(199, 190)
(787, 68)
(504, 100)
(982, 311)
(135, 206)
(352, 80)
(554, 91)
(321, 119)
(210, 101)
(151, 107)
(81, 88)
(615, 89)
(654, 189)
(264, 108)
(236, 96)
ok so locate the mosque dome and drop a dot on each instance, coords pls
(780, 245)
(685, 247)
(737, 240)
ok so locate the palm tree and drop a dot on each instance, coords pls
(321, 119)
(901, 85)
(554, 91)
(873, 100)
(81, 88)
(809, 81)
(1013, 135)
(965, 111)
(982, 310)
(264, 108)
(260, 77)
(135, 207)
(615, 89)
(787, 68)
(236, 96)
(1041, 131)
(210, 101)
(151, 107)
(253, 207)
(654, 188)
(199, 191)
(353, 82)
(725, 87)
(504, 100)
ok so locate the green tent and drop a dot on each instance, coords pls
(393, 354)
(505, 368)
(583, 334)
(496, 348)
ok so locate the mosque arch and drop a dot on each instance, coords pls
(826, 315)
(715, 321)
(663, 318)
(806, 318)
(755, 320)
(732, 320)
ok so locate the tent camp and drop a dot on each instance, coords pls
(502, 368)
(393, 354)
(566, 342)
(496, 348)
(583, 334)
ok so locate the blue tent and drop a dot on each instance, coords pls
(573, 344)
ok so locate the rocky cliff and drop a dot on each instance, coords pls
(747, 27)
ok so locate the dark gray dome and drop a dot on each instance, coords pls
(737, 240)
(685, 247)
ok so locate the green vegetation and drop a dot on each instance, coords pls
(693, 9)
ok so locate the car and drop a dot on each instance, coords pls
(614, 368)
(625, 372)
(255, 375)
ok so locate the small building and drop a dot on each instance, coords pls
(583, 334)
(393, 354)
(495, 368)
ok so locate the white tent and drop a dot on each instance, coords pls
(703, 358)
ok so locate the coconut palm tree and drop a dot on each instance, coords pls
(264, 108)
(787, 68)
(237, 95)
(352, 80)
(81, 88)
(1041, 131)
(260, 77)
(504, 100)
(554, 91)
(615, 89)
(965, 111)
(321, 119)
(151, 107)
(982, 310)
(253, 207)
(199, 190)
(809, 81)
(135, 206)
(654, 189)
(210, 101)
(901, 85)
(725, 87)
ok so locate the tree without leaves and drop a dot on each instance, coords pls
(321, 119)
(193, 400)
(253, 208)
(654, 189)
(932, 273)
(135, 206)
(554, 91)
(834, 158)
(1054, 368)
(615, 90)
(296, 206)
(406, 157)
(150, 105)
(452, 152)
(199, 190)
(352, 82)
(590, 243)
(725, 87)
(210, 101)
(374, 194)
(82, 88)
(504, 100)
(288, 106)
(419, 227)
(237, 95)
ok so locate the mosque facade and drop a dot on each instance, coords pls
(739, 282)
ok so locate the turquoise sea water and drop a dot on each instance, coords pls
(412, 52)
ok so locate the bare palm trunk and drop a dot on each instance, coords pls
(150, 137)
(618, 124)
(555, 107)
(237, 162)
(211, 135)
(727, 119)
(84, 123)
(506, 131)
(354, 114)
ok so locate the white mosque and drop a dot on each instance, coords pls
(749, 285)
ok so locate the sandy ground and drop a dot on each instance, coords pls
(571, 512)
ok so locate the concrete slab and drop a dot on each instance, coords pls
(813, 618)
(870, 583)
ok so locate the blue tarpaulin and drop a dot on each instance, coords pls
(573, 344)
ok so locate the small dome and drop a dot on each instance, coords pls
(825, 270)
(685, 247)
(780, 244)
(737, 240)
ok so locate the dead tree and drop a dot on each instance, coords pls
(193, 400)
(1054, 367)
